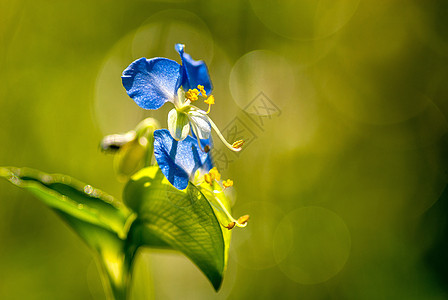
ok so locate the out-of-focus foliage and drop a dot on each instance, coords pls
(342, 171)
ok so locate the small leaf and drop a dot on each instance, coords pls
(181, 220)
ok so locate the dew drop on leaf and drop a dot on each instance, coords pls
(88, 189)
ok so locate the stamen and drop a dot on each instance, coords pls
(202, 90)
(227, 183)
(221, 137)
(243, 219)
(215, 174)
(192, 95)
(217, 204)
(208, 178)
(212, 175)
(238, 144)
(230, 225)
(210, 101)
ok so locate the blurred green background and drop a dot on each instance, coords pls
(344, 178)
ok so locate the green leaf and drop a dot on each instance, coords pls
(100, 220)
(180, 220)
(73, 198)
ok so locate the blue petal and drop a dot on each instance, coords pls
(194, 72)
(152, 82)
(178, 160)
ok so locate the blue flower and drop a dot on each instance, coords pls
(179, 160)
(153, 82)
(182, 149)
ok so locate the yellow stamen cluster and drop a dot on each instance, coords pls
(229, 222)
(238, 144)
(192, 95)
(227, 183)
(212, 175)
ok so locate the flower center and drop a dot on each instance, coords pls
(183, 105)
(193, 95)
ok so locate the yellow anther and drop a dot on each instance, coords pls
(230, 225)
(215, 174)
(227, 183)
(238, 144)
(243, 220)
(192, 95)
(208, 178)
(212, 175)
(210, 100)
(202, 90)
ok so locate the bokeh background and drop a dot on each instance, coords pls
(344, 107)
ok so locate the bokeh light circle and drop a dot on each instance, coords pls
(114, 111)
(343, 93)
(307, 19)
(318, 248)
(159, 33)
(262, 73)
(425, 129)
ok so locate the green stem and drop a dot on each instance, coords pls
(117, 268)
(116, 257)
